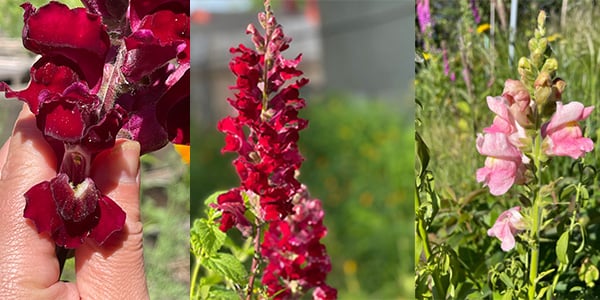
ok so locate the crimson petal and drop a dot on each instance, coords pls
(112, 219)
(77, 204)
(61, 120)
(56, 30)
(46, 74)
(41, 209)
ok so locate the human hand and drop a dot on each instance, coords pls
(31, 270)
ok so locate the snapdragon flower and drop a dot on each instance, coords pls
(93, 83)
(508, 224)
(563, 136)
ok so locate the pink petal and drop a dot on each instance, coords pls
(497, 145)
(571, 112)
(499, 175)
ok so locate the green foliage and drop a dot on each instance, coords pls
(165, 210)
(222, 274)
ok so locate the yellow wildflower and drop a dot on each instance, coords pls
(483, 28)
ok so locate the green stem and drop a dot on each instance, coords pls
(254, 269)
(193, 286)
(535, 250)
(535, 216)
(421, 228)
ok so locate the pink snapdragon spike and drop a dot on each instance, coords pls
(503, 165)
(562, 135)
(297, 261)
(509, 223)
(82, 103)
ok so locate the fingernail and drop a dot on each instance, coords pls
(130, 151)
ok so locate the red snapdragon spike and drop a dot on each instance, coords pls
(268, 154)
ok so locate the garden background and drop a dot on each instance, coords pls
(462, 58)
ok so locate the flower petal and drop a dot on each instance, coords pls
(56, 30)
(112, 219)
(41, 208)
(77, 204)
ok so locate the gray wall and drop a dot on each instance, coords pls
(368, 46)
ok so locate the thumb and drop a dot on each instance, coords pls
(116, 269)
(28, 260)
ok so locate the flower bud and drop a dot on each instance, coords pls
(542, 94)
(550, 65)
(537, 57)
(516, 93)
(558, 86)
(526, 71)
(541, 19)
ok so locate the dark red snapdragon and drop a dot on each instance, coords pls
(268, 156)
(83, 95)
(264, 134)
(297, 261)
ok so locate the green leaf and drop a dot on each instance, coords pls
(561, 248)
(228, 266)
(222, 294)
(212, 213)
(422, 153)
(566, 192)
(206, 238)
(542, 292)
(507, 280)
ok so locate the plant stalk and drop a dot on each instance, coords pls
(535, 216)
(255, 263)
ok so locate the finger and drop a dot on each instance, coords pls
(28, 258)
(116, 269)
(28, 151)
(4, 153)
